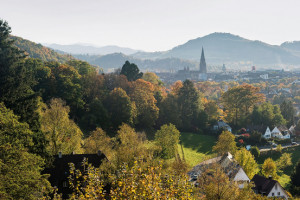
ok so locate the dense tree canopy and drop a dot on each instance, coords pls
(239, 101)
(225, 143)
(20, 170)
(131, 71)
(167, 138)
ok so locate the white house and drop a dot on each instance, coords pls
(268, 187)
(276, 133)
(281, 132)
(232, 169)
(267, 134)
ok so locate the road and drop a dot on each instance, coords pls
(274, 148)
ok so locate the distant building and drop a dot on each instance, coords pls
(200, 74)
(221, 125)
(268, 187)
(203, 69)
(224, 68)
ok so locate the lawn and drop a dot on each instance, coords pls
(295, 151)
(284, 178)
(196, 147)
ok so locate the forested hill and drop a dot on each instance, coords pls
(228, 48)
(35, 50)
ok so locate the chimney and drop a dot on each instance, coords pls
(73, 153)
(59, 154)
(270, 177)
(99, 153)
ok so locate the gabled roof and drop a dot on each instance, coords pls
(227, 162)
(263, 185)
(276, 130)
(259, 128)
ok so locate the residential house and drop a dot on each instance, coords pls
(281, 132)
(267, 134)
(59, 171)
(268, 187)
(230, 166)
(222, 125)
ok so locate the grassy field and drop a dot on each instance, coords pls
(284, 177)
(196, 147)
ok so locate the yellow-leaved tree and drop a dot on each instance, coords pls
(62, 133)
(225, 143)
(247, 162)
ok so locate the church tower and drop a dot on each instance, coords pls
(203, 69)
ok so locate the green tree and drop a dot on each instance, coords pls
(288, 112)
(267, 114)
(255, 151)
(269, 168)
(247, 162)
(295, 179)
(95, 116)
(189, 105)
(129, 146)
(98, 140)
(284, 161)
(63, 134)
(167, 138)
(239, 101)
(131, 71)
(120, 108)
(169, 111)
(225, 143)
(17, 80)
(20, 170)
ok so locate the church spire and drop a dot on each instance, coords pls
(203, 63)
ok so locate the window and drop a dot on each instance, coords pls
(273, 194)
(65, 184)
(278, 193)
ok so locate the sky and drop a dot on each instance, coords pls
(150, 25)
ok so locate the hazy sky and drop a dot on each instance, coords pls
(150, 25)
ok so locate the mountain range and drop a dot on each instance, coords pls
(91, 50)
(220, 48)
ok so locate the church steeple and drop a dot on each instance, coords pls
(203, 63)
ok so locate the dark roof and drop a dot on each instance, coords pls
(260, 128)
(59, 171)
(262, 184)
(230, 168)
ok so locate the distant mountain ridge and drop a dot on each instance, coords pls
(228, 48)
(91, 50)
(116, 60)
(35, 50)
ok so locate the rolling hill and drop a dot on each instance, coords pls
(35, 50)
(92, 50)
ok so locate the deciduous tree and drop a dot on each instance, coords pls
(247, 162)
(63, 134)
(167, 138)
(269, 168)
(225, 143)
